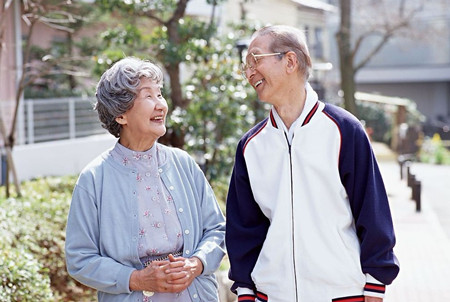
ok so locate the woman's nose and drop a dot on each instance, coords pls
(161, 104)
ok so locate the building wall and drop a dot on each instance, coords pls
(8, 70)
(414, 64)
(264, 11)
(58, 158)
(432, 99)
(312, 21)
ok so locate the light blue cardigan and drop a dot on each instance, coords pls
(103, 225)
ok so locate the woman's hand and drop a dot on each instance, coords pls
(171, 276)
(184, 270)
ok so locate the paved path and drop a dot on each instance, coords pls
(436, 187)
(423, 246)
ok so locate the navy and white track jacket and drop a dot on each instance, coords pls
(309, 221)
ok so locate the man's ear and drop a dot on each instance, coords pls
(292, 61)
(121, 120)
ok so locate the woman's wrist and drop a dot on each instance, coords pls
(198, 268)
(135, 281)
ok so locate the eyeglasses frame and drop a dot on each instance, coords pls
(246, 66)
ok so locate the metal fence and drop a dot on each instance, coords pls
(42, 120)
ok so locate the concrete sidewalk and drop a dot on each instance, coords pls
(423, 248)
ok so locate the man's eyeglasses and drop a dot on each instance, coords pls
(256, 57)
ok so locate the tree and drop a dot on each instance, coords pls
(212, 104)
(219, 111)
(384, 27)
(57, 14)
(175, 39)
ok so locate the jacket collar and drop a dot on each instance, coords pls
(310, 108)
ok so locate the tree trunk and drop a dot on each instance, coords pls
(347, 71)
(175, 137)
(10, 167)
(9, 161)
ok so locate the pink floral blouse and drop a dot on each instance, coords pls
(159, 227)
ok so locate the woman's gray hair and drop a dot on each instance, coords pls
(117, 89)
(287, 38)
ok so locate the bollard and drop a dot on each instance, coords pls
(416, 188)
(404, 160)
(401, 163)
(4, 169)
(411, 179)
(404, 166)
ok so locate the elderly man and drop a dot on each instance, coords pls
(308, 217)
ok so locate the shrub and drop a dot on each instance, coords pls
(32, 235)
(433, 151)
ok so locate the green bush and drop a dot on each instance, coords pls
(32, 235)
(22, 277)
(433, 151)
(376, 118)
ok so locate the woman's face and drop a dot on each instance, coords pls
(145, 121)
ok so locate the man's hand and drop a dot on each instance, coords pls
(373, 299)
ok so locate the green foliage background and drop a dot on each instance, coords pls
(32, 235)
(218, 108)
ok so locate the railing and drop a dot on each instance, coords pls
(42, 120)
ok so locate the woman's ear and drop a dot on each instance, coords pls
(121, 120)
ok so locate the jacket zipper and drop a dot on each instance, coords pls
(292, 219)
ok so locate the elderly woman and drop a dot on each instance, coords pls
(144, 224)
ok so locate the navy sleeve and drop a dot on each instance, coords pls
(364, 185)
(246, 225)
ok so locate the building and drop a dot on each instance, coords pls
(308, 15)
(414, 65)
(9, 62)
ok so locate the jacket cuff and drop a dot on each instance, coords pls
(246, 298)
(374, 288)
(260, 297)
(245, 294)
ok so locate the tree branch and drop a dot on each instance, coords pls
(375, 50)
(21, 86)
(150, 15)
(385, 36)
(57, 26)
(179, 11)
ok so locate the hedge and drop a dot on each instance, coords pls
(32, 235)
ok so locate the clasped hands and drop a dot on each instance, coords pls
(169, 276)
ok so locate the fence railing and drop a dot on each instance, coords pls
(42, 120)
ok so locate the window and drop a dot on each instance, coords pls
(318, 51)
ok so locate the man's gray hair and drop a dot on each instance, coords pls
(117, 89)
(288, 38)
